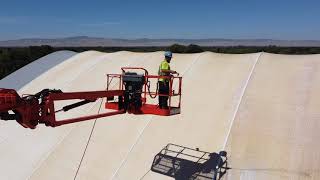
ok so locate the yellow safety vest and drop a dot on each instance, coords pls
(163, 66)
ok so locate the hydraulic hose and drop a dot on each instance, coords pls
(149, 91)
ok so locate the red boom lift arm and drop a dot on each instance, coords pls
(31, 110)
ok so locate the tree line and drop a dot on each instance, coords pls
(13, 58)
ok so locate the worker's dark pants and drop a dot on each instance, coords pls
(163, 89)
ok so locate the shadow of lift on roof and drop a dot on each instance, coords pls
(183, 163)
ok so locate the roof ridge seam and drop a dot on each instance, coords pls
(240, 99)
(192, 63)
(137, 140)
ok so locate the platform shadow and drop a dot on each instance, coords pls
(183, 163)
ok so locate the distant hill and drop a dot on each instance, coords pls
(108, 42)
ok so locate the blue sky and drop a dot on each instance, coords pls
(237, 19)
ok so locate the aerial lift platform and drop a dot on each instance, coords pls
(130, 97)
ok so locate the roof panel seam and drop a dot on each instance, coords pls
(240, 99)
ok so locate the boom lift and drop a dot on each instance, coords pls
(130, 97)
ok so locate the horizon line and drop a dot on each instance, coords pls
(142, 38)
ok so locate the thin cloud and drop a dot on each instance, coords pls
(30, 19)
(16, 20)
(102, 24)
(11, 20)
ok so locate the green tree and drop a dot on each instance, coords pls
(192, 48)
(177, 48)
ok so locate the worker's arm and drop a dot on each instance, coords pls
(169, 71)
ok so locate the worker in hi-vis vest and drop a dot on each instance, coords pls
(164, 70)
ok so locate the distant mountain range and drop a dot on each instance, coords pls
(94, 41)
